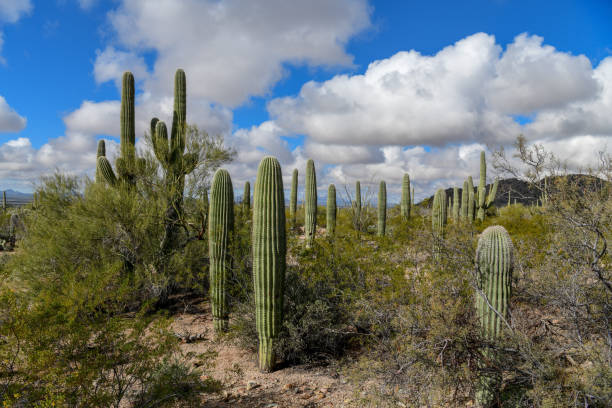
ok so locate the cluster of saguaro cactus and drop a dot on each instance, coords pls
(221, 223)
(127, 164)
(382, 209)
(484, 200)
(494, 262)
(246, 197)
(310, 203)
(331, 211)
(269, 257)
(293, 197)
(405, 201)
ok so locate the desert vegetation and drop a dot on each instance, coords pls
(454, 301)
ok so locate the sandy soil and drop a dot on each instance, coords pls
(245, 386)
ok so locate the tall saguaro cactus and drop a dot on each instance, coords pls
(484, 201)
(405, 203)
(221, 224)
(310, 203)
(357, 206)
(100, 153)
(456, 204)
(246, 197)
(465, 194)
(4, 200)
(269, 257)
(331, 211)
(438, 218)
(171, 155)
(471, 200)
(293, 197)
(494, 262)
(127, 165)
(382, 209)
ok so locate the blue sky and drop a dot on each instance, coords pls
(56, 54)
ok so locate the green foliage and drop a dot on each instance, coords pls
(269, 251)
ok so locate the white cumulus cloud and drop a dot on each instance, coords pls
(10, 121)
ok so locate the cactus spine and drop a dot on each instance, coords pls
(494, 262)
(221, 218)
(484, 201)
(456, 204)
(405, 203)
(438, 218)
(293, 197)
(269, 251)
(246, 196)
(331, 211)
(382, 209)
(310, 203)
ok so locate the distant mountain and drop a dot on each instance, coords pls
(520, 191)
(14, 198)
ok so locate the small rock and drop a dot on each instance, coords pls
(271, 405)
(401, 404)
(252, 385)
(306, 395)
(324, 390)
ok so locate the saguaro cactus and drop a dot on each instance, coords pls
(4, 200)
(100, 153)
(127, 165)
(382, 209)
(221, 219)
(357, 206)
(438, 218)
(293, 197)
(465, 194)
(269, 262)
(471, 200)
(484, 201)
(172, 157)
(246, 196)
(331, 211)
(405, 203)
(494, 262)
(456, 204)
(310, 203)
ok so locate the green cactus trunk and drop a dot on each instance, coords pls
(269, 262)
(494, 262)
(4, 200)
(456, 204)
(205, 209)
(482, 182)
(221, 218)
(357, 206)
(465, 194)
(382, 209)
(449, 210)
(331, 211)
(126, 164)
(293, 198)
(405, 203)
(246, 197)
(471, 200)
(310, 204)
(100, 153)
(438, 219)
